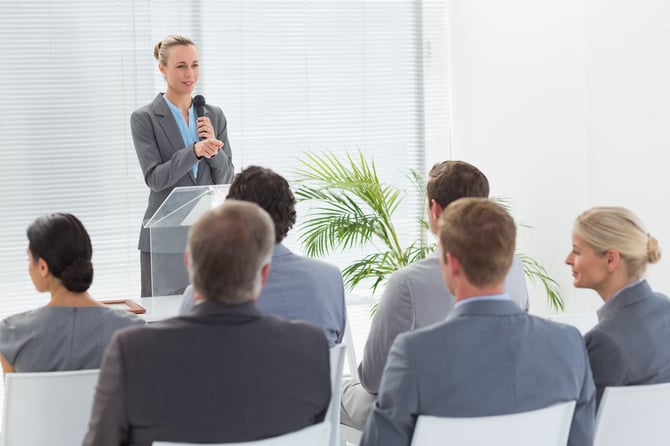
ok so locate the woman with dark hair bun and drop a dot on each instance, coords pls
(72, 331)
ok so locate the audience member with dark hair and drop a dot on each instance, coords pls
(488, 357)
(72, 330)
(298, 287)
(629, 345)
(415, 296)
(224, 372)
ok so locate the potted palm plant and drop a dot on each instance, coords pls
(352, 208)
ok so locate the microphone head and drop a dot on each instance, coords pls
(199, 103)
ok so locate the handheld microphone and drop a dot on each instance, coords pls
(199, 103)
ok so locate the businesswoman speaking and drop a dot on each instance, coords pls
(176, 148)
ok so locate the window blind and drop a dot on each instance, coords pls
(70, 77)
(291, 77)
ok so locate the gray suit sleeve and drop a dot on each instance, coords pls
(221, 164)
(394, 315)
(393, 416)
(108, 424)
(607, 359)
(582, 428)
(159, 174)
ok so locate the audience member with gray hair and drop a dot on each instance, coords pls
(298, 287)
(225, 372)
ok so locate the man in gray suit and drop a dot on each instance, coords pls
(416, 296)
(224, 373)
(298, 287)
(488, 357)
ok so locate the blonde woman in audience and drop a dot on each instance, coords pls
(72, 331)
(630, 344)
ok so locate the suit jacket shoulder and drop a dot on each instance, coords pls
(628, 346)
(234, 365)
(446, 370)
(300, 288)
(416, 296)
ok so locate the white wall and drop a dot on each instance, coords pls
(564, 105)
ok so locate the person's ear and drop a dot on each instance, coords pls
(452, 263)
(265, 272)
(613, 259)
(197, 297)
(163, 70)
(435, 209)
(43, 267)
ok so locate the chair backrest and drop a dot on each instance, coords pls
(47, 407)
(633, 415)
(357, 329)
(547, 427)
(351, 351)
(349, 436)
(319, 434)
(583, 321)
(337, 355)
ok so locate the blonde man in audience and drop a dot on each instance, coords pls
(488, 357)
(223, 373)
(610, 252)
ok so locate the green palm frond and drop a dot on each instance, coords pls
(352, 208)
(536, 271)
(417, 251)
(339, 224)
(377, 266)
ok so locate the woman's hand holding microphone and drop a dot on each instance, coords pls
(208, 146)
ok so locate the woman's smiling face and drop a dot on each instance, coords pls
(589, 268)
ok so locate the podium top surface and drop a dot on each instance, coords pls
(185, 204)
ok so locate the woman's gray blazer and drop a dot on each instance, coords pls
(167, 164)
(631, 343)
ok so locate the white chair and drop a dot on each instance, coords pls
(349, 436)
(543, 427)
(47, 408)
(351, 350)
(337, 354)
(634, 415)
(319, 434)
(583, 321)
(359, 307)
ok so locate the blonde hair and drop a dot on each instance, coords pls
(611, 227)
(161, 49)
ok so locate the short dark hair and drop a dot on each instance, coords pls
(63, 243)
(271, 192)
(227, 248)
(450, 180)
(482, 236)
